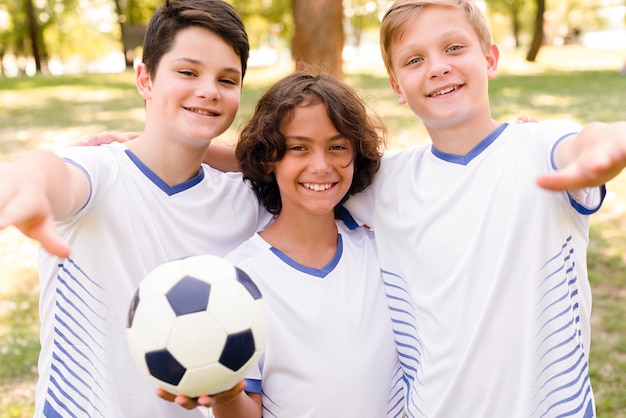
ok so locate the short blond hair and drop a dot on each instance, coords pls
(402, 12)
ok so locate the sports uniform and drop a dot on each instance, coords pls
(330, 349)
(132, 222)
(496, 271)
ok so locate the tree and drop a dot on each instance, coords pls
(133, 16)
(517, 14)
(537, 33)
(318, 36)
(34, 34)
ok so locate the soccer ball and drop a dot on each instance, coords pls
(197, 325)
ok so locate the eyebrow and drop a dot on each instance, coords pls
(198, 62)
(306, 138)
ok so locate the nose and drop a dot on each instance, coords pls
(438, 68)
(318, 163)
(208, 91)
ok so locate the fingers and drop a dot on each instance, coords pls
(98, 139)
(107, 137)
(557, 182)
(578, 176)
(204, 400)
(37, 223)
(182, 400)
(222, 397)
(186, 402)
(49, 240)
(525, 119)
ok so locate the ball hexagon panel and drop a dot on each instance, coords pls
(194, 382)
(234, 316)
(197, 339)
(209, 268)
(151, 324)
(161, 279)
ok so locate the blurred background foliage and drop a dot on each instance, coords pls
(72, 36)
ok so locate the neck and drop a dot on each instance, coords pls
(461, 138)
(311, 242)
(173, 162)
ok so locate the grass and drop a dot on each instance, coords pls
(50, 112)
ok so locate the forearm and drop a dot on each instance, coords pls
(222, 157)
(46, 172)
(244, 405)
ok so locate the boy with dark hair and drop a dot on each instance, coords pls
(121, 209)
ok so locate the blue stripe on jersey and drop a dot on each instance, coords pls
(396, 398)
(563, 387)
(273, 406)
(169, 190)
(77, 383)
(321, 273)
(404, 322)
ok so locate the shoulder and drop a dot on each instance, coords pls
(553, 129)
(359, 235)
(393, 156)
(230, 180)
(254, 247)
(91, 155)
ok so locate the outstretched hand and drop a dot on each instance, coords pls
(597, 155)
(28, 210)
(204, 400)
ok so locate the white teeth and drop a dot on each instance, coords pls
(203, 112)
(448, 90)
(317, 187)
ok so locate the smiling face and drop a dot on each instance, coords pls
(195, 93)
(441, 70)
(317, 169)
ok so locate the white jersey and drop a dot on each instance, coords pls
(330, 350)
(132, 222)
(496, 271)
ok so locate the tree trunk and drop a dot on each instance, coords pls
(516, 23)
(318, 38)
(121, 19)
(33, 33)
(537, 33)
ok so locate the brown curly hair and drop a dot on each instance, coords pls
(261, 142)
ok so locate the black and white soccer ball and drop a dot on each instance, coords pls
(197, 325)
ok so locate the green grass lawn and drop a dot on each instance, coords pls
(51, 112)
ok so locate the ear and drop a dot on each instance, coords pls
(143, 81)
(492, 61)
(396, 90)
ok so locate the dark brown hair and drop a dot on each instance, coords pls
(262, 143)
(175, 15)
